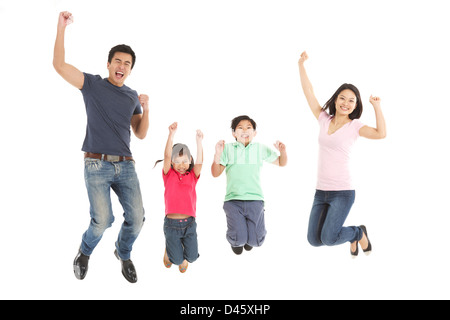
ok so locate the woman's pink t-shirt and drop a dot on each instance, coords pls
(180, 196)
(334, 154)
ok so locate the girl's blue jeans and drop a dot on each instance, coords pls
(181, 240)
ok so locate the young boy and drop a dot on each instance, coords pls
(244, 201)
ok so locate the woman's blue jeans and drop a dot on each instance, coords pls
(328, 215)
(100, 177)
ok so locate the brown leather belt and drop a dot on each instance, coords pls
(106, 157)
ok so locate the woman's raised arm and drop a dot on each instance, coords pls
(307, 87)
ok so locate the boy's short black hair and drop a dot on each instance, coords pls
(237, 120)
(125, 49)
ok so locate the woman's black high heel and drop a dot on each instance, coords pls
(368, 250)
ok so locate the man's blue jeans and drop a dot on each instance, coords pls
(328, 215)
(100, 177)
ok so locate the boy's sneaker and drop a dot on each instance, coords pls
(237, 250)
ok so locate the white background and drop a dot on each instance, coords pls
(203, 63)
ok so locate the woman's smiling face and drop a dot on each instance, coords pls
(345, 102)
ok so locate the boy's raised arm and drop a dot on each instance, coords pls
(71, 74)
(217, 168)
(282, 159)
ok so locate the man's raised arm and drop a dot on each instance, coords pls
(71, 74)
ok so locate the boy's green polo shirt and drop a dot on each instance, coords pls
(243, 168)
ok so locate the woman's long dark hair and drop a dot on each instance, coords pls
(331, 104)
(180, 150)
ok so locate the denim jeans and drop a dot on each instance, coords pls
(245, 220)
(328, 215)
(181, 240)
(100, 177)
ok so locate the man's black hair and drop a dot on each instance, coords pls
(125, 49)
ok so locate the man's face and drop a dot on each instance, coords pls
(119, 68)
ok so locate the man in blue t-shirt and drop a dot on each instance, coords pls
(111, 109)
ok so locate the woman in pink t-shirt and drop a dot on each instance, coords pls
(180, 176)
(335, 193)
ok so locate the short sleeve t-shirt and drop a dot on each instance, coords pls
(109, 111)
(180, 195)
(243, 168)
(334, 154)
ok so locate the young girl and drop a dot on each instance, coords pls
(180, 176)
(335, 194)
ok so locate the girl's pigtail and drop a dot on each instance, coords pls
(157, 163)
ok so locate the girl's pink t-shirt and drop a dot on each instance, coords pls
(180, 196)
(334, 154)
